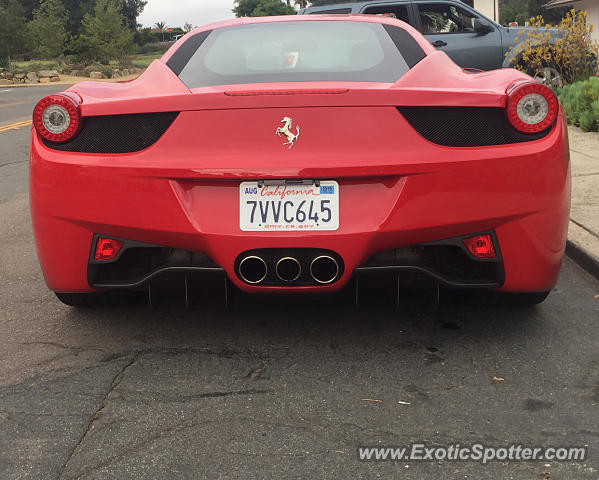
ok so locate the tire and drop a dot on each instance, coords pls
(107, 299)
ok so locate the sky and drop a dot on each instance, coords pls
(176, 12)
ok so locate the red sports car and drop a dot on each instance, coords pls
(297, 154)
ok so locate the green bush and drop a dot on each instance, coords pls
(581, 103)
(153, 48)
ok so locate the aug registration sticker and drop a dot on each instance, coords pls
(288, 207)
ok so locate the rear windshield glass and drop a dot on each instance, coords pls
(295, 52)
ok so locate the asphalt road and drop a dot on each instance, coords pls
(277, 389)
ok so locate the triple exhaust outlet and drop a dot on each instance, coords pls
(323, 269)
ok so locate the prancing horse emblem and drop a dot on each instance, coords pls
(286, 130)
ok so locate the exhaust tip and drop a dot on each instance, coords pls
(253, 269)
(288, 269)
(324, 269)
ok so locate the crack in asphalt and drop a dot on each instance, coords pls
(225, 353)
(169, 432)
(113, 385)
(13, 163)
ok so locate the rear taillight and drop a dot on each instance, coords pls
(531, 107)
(57, 118)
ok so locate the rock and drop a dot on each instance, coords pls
(20, 76)
(32, 77)
(8, 75)
(47, 73)
(45, 80)
(74, 73)
(96, 75)
(4, 81)
(125, 72)
(116, 73)
(55, 79)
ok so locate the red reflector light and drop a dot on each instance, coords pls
(57, 118)
(481, 246)
(531, 107)
(107, 248)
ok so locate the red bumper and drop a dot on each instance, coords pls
(522, 192)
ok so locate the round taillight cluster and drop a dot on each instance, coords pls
(531, 107)
(57, 118)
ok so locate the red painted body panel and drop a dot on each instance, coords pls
(396, 188)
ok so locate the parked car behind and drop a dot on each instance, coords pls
(467, 36)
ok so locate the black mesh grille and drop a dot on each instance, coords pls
(465, 126)
(118, 133)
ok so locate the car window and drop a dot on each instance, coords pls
(398, 11)
(296, 51)
(445, 18)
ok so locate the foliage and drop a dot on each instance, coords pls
(522, 10)
(261, 8)
(188, 27)
(267, 8)
(48, 29)
(143, 37)
(132, 9)
(104, 34)
(162, 27)
(581, 103)
(77, 9)
(28, 7)
(150, 48)
(12, 30)
(573, 54)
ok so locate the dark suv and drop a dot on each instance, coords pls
(467, 36)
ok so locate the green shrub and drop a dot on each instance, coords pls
(587, 121)
(153, 48)
(580, 101)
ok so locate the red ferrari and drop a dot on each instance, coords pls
(297, 154)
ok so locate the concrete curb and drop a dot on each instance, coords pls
(583, 248)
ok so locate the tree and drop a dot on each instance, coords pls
(162, 27)
(522, 10)
(77, 10)
(131, 10)
(49, 28)
(12, 30)
(188, 27)
(261, 8)
(105, 34)
(244, 8)
(29, 6)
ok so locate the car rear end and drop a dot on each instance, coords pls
(291, 180)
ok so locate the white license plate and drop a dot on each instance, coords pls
(288, 207)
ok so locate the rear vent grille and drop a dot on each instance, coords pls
(465, 126)
(118, 133)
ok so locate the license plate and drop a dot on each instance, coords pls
(288, 207)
